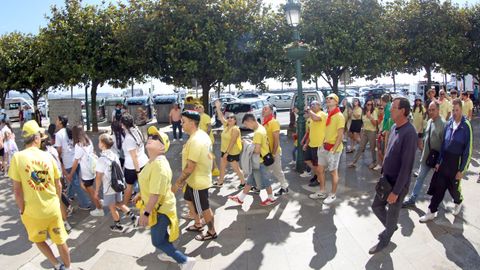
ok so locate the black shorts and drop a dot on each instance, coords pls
(130, 176)
(2, 152)
(231, 158)
(312, 154)
(88, 183)
(356, 126)
(199, 198)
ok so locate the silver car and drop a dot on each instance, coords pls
(248, 105)
(280, 101)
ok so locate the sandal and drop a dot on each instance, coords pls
(206, 237)
(195, 228)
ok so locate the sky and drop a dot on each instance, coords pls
(28, 16)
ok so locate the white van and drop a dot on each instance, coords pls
(13, 104)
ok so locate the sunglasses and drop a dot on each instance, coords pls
(231, 117)
(330, 98)
(155, 137)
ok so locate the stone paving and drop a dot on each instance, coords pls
(295, 233)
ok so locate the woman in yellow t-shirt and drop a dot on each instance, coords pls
(369, 134)
(347, 112)
(419, 116)
(356, 125)
(230, 146)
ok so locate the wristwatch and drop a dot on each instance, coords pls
(145, 213)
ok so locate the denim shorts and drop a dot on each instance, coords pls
(109, 199)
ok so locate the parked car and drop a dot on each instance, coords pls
(373, 93)
(280, 101)
(12, 105)
(243, 106)
(309, 95)
(248, 95)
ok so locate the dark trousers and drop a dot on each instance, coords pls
(175, 126)
(444, 180)
(388, 214)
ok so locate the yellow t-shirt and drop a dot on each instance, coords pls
(317, 131)
(205, 120)
(337, 121)
(357, 113)
(418, 120)
(260, 137)
(271, 127)
(37, 171)
(467, 107)
(226, 138)
(156, 178)
(367, 123)
(445, 108)
(198, 149)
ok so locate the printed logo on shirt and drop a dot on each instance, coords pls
(38, 172)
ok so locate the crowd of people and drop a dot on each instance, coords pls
(59, 166)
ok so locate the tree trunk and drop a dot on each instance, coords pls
(316, 83)
(429, 77)
(4, 97)
(35, 98)
(394, 83)
(93, 106)
(335, 79)
(205, 96)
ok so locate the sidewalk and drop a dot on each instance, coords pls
(296, 233)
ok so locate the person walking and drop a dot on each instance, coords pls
(135, 157)
(329, 154)
(432, 141)
(196, 173)
(467, 106)
(206, 125)
(419, 115)
(37, 188)
(355, 126)
(230, 146)
(314, 139)
(397, 170)
(453, 162)
(445, 106)
(175, 117)
(368, 135)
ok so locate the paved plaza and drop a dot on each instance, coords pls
(295, 233)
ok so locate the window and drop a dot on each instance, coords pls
(14, 106)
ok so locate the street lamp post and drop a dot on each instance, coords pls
(297, 52)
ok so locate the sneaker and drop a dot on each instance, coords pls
(60, 267)
(117, 228)
(215, 172)
(306, 174)
(457, 209)
(68, 228)
(281, 191)
(97, 213)
(415, 174)
(267, 202)
(181, 139)
(255, 190)
(378, 247)
(377, 168)
(235, 199)
(330, 199)
(371, 166)
(318, 196)
(165, 258)
(188, 265)
(88, 208)
(428, 216)
(409, 202)
(174, 140)
(135, 220)
(292, 162)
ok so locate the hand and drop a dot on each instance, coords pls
(143, 220)
(137, 198)
(224, 157)
(69, 178)
(459, 176)
(304, 147)
(392, 198)
(436, 167)
(218, 104)
(175, 187)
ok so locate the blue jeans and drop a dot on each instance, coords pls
(177, 126)
(259, 178)
(160, 239)
(74, 189)
(422, 174)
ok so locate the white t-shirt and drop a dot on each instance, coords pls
(53, 151)
(4, 130)
(128, 144)
(81, 153)
(104, 166)
(68, 150)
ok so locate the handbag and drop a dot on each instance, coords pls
(268, 159)
(433, 154)
(383, 188)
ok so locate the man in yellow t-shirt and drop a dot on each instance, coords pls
(205, 124)
(258, 176)
(445, 106)
(315, 137)
(467, 106)
(37, 190)
(273, 134)
(329, 153)
(197, 161)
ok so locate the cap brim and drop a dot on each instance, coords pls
(152, 130)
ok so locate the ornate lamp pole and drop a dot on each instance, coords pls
(297, 52)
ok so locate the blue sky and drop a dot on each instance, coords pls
(28, 15)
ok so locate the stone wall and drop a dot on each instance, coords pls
(72, 108)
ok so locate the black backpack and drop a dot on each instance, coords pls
(117, 178)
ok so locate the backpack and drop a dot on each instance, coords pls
(117, 178)
(118, 114)
(91, 161)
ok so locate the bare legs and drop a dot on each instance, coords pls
(62, 249)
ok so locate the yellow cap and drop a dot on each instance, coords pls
(152, 130)
(31, 128)
(334, 96)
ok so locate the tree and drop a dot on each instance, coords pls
(343, 35)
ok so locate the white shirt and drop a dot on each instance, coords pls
(53, 151)
(81, 153)
(4, 130)
(129, 144)
(104, 166)
(68, 150)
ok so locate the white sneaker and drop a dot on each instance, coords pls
(68, 228)
(318, 196)
(377, 168)
(97, 213)
(188, 265)
(174, 140)
(292, 162)
(165, 258)
(331, 198)
(457, 209)
(306, 174)
(181, 139)
(428, 216)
